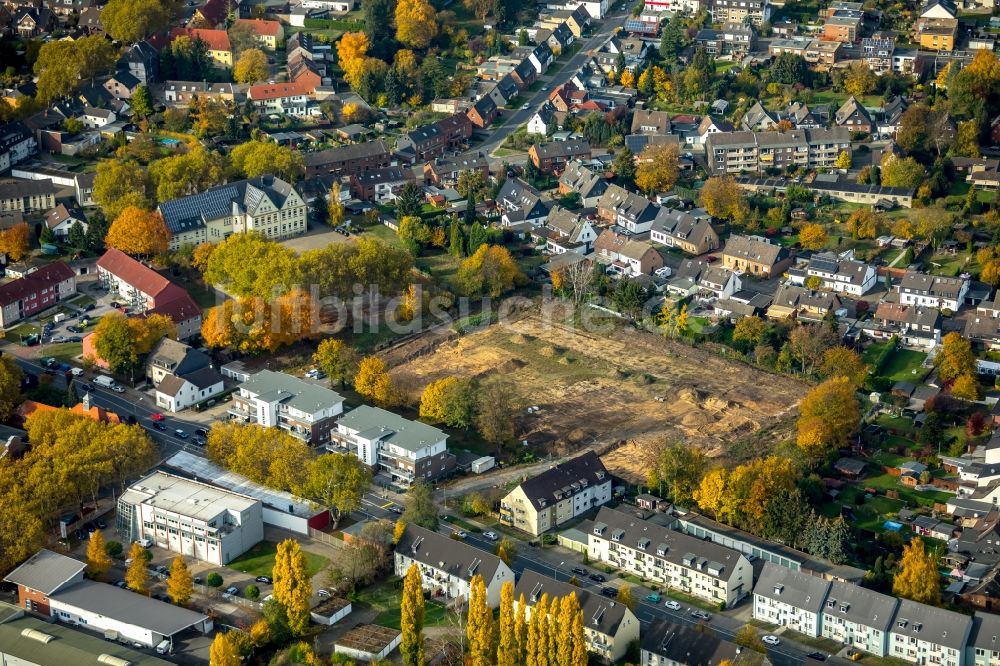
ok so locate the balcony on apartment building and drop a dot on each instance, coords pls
(295, 429)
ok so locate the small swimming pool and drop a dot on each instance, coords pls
(892, 525)
(170, 142)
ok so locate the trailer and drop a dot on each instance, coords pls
(480, 465)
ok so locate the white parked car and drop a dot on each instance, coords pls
(323, 593)
(663, 271)
(76, 372)
(672, 605)
(525, 106)
(492, 536)
(232, 589)
(771, 640)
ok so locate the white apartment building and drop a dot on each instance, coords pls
(190, 518)
(936, 291)
(447, 566)
(985, 640)
(557, 495)
(277, 400)
(843, 276)
(401, 451)
(790, 599)
(699, 568)
(923, 634)
(858, 617)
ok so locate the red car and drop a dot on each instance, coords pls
(156, 416)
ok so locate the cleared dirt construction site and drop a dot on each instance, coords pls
(628, 388)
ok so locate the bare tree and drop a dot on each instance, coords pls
(580, 278)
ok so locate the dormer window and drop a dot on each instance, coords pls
(779, 588)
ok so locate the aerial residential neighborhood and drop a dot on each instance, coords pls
(554, 333)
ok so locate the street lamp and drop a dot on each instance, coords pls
(555, 570)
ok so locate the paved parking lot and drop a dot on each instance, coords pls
(317, 237)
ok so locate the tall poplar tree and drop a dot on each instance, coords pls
(564, 647)
(411, 620)
(580, 655)
(521, 629)
(180, 587)
(292, 588)
(507, 648)
(479, 629)
(135, 575)
(98, 560)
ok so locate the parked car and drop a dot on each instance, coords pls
(597, 578)
(672, 605)
(462, 534)
(201, 431)
(322, 593)
(264, 579)
(122, 584)
(196, 580)
(199, 441)
(118, 389)
(89, 306)
(580, 571)
(854, 655)
(87, 386)
(162, 569)
(74, 338)
(233, 590)
(74, 329)
(101, 524)
(653, 598)
(59, 338)
(492, 536)
(771, 640)
(395, 508)
(701, 615)
(77, 372)
(817, 656)
(609, 591)
(115, 304)
(525, 106)
(180, 433)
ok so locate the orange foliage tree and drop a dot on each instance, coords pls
(256, 326)
(14, 241)
(138, 232)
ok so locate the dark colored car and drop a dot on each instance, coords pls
(580, 571)
(159, 426)
(597, 578)
(89, 306)
(201, 431)
(818, 656)
(609, 591)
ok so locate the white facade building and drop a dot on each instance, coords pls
(790, 599)
(190, 518)
(858, 617)
(936, 291)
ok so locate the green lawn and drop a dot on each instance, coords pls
(22, 330)
(81, 300)
(384, 598)
(905, 365)
(897, 423)
(64, 351)
(909, 495)
(384, 233)
(259, 560)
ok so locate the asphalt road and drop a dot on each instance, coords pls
(129, 404)
(519, 117)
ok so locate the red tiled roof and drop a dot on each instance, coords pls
(126, 268)
(214, 11)
(175, 303)
(262, 27)
(217, 40)
(277, 90)
(43, 278)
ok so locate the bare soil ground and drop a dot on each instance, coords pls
(627, 389)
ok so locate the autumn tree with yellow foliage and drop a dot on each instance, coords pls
(257, 326)
(15, 241)
(813, 236)
(828, 414)
(180, 586)
(658, 168)
(490, 271)
(136, 575)
(721, 197)
(416, 23)
(479, 628)
(138, 232)
(743, 496)
(292, 587)
(373, 382)
(917, 578)
(269, 456)
(251, 67)
(223, 652)
(627, 78)
(121, 341)
(98, 560)
(352, 53)
(449, 400)
(843, 362)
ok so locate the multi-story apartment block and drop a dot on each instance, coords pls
(146, 291)
(837, 274)
(877, 51)
(738, 152)
(923, 634)
(843, 26)
(380, 185)
(184, 92)
(936, 291)
(190, 518)
(984, 649)
(790, 599)
(276, 400)
(669, 644)
(447, 566)
(37, 291)
(701, 569)
(858, 617)
(557, 495)
(608, 626)
(348, 160)
(26, 196)
(816, 52)
(16, 144)
(738, 11)
(267, 205)
(401, 451)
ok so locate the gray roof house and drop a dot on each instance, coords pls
(859, 616)
(790, 598)
(935, 634)
(448, 566)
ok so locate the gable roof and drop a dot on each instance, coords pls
(600, 614)
(45, 277)
(457, 558)
(260, 27)
(291, 391)
(679, 644)
(792, 587)
(860, 605)
(129, 270)
(192, 212)
(46, 571)
(214, 11)
(850, 108)
(754, 250)
(934, 625)
(217, 40)
(61, 214)
(566, 477)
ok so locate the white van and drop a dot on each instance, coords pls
(104, 381)
(163, 647)
(145, 543)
